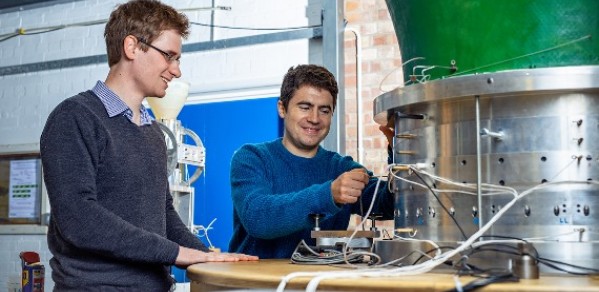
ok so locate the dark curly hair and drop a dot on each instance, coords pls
(144, 19)
(312, 75)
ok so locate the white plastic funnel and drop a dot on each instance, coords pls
(169, 106)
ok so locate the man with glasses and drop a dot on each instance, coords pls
(113, 225)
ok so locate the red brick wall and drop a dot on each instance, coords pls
(381, 72)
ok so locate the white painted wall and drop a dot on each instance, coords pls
(27, 99)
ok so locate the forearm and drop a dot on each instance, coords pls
(291, 212)
(178, 232)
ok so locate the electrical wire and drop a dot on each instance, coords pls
(397, 262)
(511, 250)
(430, 264)
(364, 219)
(395, 69)
(254, 28)
(33, 31)
(423, 78)
(386, 234)
(442, 205)
(431, 250)
(554, 264)
(491, 190)
(202, 231)
(330, 256)
(545, 238)
(436, 247)
(306, 255)
(484, 281)
(571, 42)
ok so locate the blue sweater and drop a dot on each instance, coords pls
(112, 224)
(274, 192)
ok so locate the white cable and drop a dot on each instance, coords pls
(428, 265)
(485, 187)
(458, 284)
(287, 278)
(435, 245)
(469, 186)
(200, 228)
(345, 246)
(544, 238)
(437, 260)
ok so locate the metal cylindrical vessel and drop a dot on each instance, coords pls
(441, 38)
(499, 95)
(517, 129)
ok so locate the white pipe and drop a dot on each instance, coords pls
(360, 123)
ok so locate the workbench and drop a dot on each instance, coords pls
(265, 275)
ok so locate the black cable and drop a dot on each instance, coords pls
(552, 264)
(23, 32)
(463, 268)
(504, 237)
(570, 265)
(515, 253)
(486, 276)
(45, 31)
(488, 247)
(564, 270)
(478, 283)
(443, 206)
(254, 28)
(7, 37)
(536, 255)
(387, 235)
(431, 250)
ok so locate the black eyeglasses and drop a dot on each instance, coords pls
(169, 57)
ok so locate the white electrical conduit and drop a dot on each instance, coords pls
(360, 130)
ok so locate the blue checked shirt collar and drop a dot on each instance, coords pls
(115, 106)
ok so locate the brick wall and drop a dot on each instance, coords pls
(381, 72)
(381, 63)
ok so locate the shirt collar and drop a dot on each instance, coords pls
(116, 106)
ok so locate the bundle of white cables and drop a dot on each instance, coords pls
(440, 257)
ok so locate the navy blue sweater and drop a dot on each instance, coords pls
(274, 192)
(112, 223)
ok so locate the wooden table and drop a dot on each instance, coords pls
(267, 274)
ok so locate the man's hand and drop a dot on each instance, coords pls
(347, 188)
(189, 256)
(389, 134)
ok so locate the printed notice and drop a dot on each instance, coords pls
(23, 188)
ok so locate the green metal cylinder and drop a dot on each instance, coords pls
(440, 38)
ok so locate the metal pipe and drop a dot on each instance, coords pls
(360, 124)
(478, 163)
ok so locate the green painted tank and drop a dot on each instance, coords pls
(440, 38)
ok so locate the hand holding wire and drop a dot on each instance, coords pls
(347, 188)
